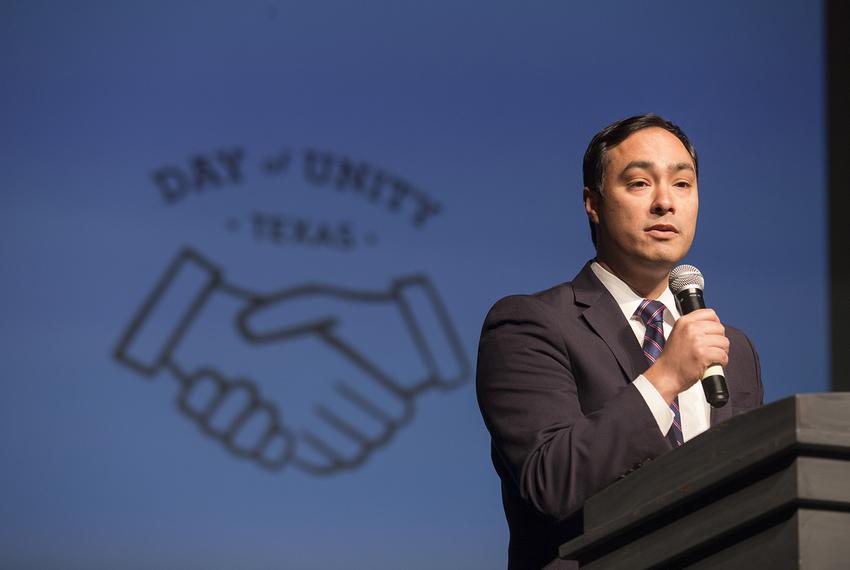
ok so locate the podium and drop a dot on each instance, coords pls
(766, 489)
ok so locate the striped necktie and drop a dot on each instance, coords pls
(652, 315)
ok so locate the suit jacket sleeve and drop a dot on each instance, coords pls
(743, 375)
(529, 391)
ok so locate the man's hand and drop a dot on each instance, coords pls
(697, 341)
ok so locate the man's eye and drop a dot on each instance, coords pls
(638, 184)
(683, 184)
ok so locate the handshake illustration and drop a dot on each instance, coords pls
(314, 376)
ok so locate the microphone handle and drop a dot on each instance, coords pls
(713, 380)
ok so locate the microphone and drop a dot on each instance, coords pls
(687, 284)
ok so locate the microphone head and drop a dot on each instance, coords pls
(685, 277)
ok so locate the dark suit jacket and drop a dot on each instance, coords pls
(554, 386)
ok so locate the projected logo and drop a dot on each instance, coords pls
(315, 376)
(328, 173)
(358, 416)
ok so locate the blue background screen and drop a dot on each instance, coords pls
(247, 249)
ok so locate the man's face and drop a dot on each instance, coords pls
(647, 212)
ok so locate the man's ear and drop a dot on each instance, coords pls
(591, 204)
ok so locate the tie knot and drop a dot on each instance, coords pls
(650, 312)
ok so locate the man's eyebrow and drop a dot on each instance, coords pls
(644, 164)
(648, 165)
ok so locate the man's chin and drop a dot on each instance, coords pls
(661, 261)
(655, 258)
(669, 254)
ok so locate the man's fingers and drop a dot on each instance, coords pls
(716, 356)
(714, 347)
(713, 337)
(701, 315)
(718, 341)
(708, 328)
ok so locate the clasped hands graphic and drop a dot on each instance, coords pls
(361, 357)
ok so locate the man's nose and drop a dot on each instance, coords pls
(662, 200)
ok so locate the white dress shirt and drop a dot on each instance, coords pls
(693, 407)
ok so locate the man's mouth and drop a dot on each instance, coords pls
(662, 230)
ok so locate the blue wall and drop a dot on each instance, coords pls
(342, 190)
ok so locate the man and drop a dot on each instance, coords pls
(573, 386)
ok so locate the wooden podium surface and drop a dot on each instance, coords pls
(765, 489)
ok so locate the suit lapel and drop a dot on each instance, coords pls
(604, 316)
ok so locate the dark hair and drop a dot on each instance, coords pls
(595, 157)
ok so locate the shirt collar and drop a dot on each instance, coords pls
(627, 299)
